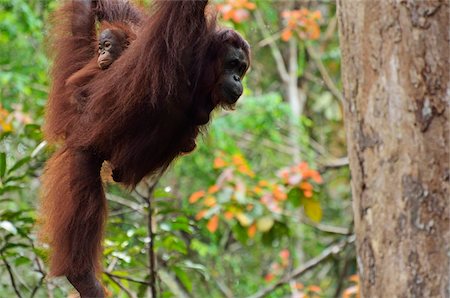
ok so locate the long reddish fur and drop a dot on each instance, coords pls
(140, 114)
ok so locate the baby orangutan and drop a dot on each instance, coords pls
(113, 40)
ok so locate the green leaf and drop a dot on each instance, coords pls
(295, 197)
(9, 188)
(15, 178)
(175, 244)
(313, 209)
(21, 261)
(201, 248)
(19, 163)
(184, 278)
(2, 164)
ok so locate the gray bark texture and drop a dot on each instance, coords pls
(395, 71)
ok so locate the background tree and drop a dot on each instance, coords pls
(396, 80)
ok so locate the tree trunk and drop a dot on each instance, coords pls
(396, 84)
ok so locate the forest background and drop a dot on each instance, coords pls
(262, 208)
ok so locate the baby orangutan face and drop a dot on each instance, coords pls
(111, 44)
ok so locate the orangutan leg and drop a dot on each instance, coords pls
(87, 285)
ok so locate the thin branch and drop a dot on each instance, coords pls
(151, 250)
(127, 203)
(36, 288)
(323, 71)
(40, 270)
(142, 282)
(173, 284)
(122, 287)
(327, 228)
(336, 163)
(270, 39)
(281, 148)
(331, 250)
(342, 274)
(276, 53)
(151, 233)
(224, 289)
(11, 275)
(314, 79)
(331, 29)
(294, 100)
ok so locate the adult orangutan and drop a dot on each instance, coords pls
(140, 113)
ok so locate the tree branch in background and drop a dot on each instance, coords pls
(173, 284)
(127, 203)
(330, 31)
(11, 275)
(224, 288)
(152, 183)
(276, 53)
(327, 228)
(331, 250)
(40, 269)
(342, 275)
(323, 71)
(122, 287)
(142, 282)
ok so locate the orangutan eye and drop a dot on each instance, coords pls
(233, 63)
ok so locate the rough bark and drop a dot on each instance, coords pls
(396, 85)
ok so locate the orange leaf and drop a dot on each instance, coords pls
(250, 5)
(284, 254)
(196, 196)
(308, 193)
(314, 32)
(354, 278)
(238, 159)
(316, 15)
(244, 169)
(240, 15)
(286, 14)
(213, 223)
(314, 288)
(210, 201)
(251, 231)
(229, 215)
(257, 190)
(286, 34)
(303, 166)
(306, 186)
(299, 286)
(213, 189)
(316, 177)
(263, 183)
(219, 163)
(279, 194)
(200, 214)
(349, 292)
(269, 277)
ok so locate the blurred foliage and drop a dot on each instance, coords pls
(231, 218)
